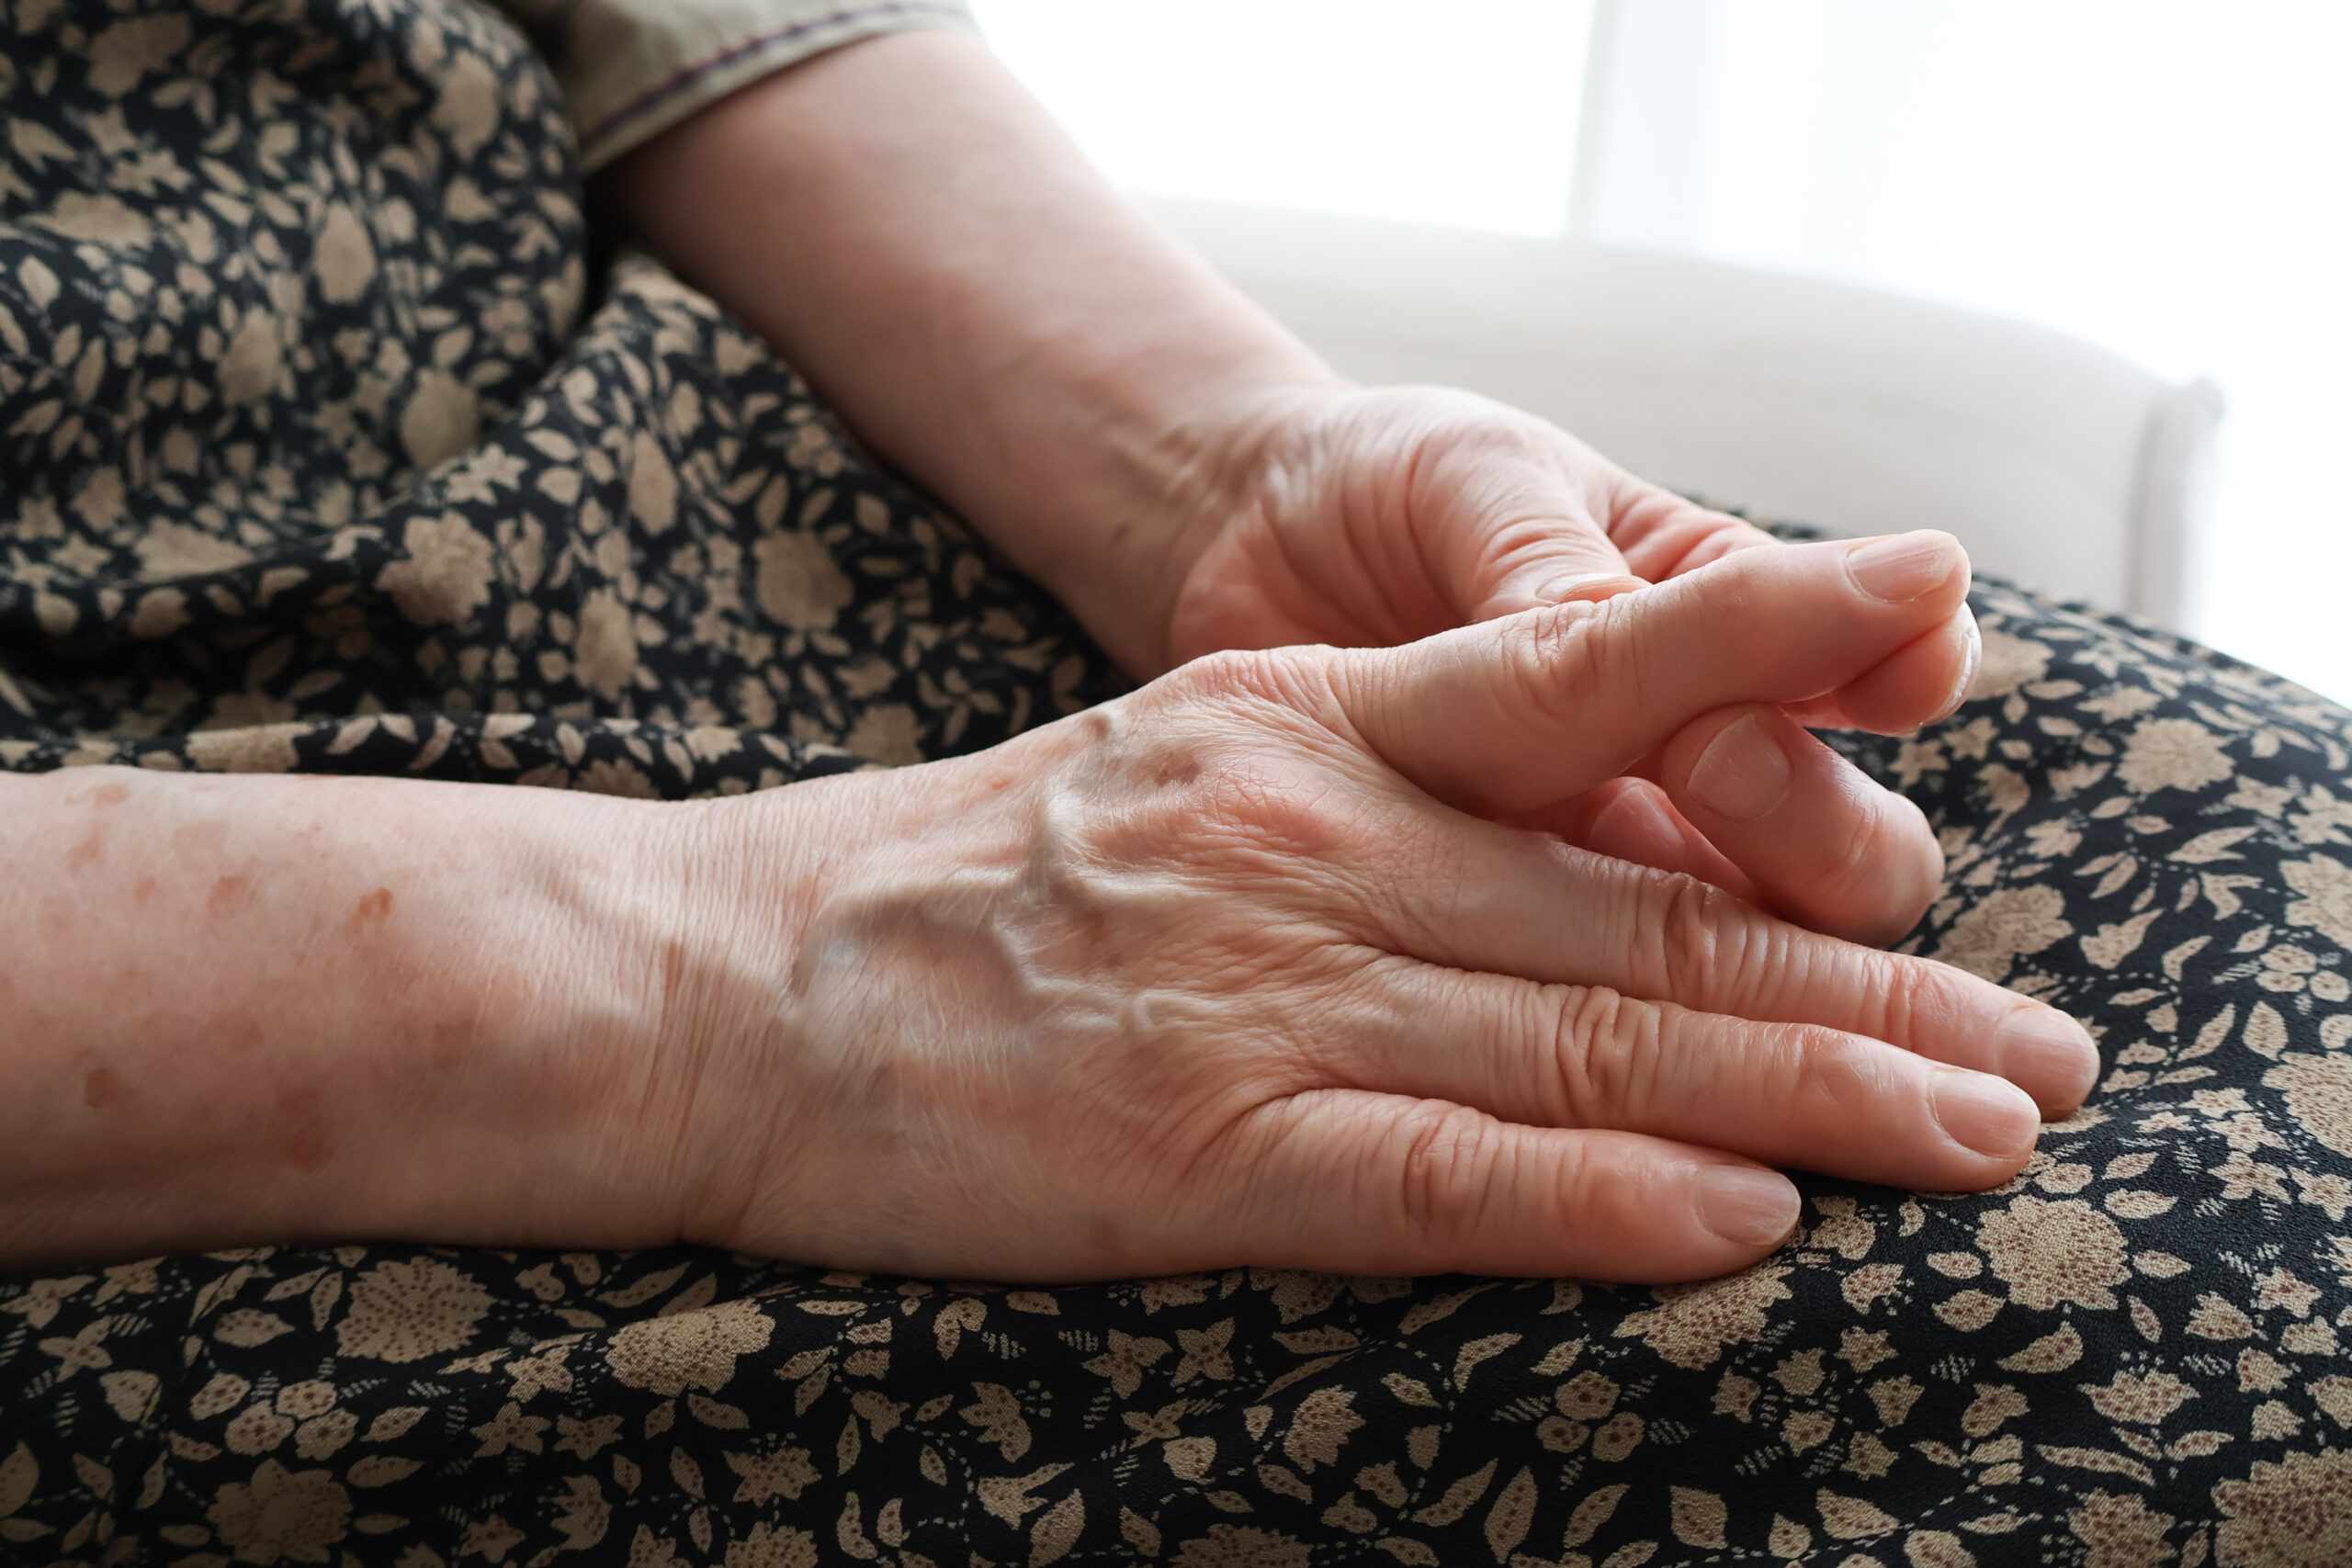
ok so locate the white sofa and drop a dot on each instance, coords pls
(2058, 464)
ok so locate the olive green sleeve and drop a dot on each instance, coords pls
(633, 68)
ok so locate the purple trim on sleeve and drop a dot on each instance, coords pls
(653, 96)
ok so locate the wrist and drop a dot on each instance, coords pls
(1178, 473)
(735, 1098)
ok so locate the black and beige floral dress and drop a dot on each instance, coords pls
(323, 446)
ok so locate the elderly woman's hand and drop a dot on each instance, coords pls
(1367, 518)
(1373, 516)
(1242, 968)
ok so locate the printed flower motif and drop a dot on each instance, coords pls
(2144, 1399)
(2323, 819)
(2120, 1531)
(2319, 1093)
(2005, 925)
(2325, 884)
(282, 1515)
(2289, 970)
(2049, 1253)
(1692, 1324)
(2006, 663)
(689, 1350)
(2294, 1514)
(2173, 753)
(446, 573)
(405, 1311)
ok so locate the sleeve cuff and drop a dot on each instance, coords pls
(632, 69)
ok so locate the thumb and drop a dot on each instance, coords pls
(1514, 714)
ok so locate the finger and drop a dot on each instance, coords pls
(1349, 1182)
(1630, 818)
(1664, 535)
(1823, 844)
(1922, 683)
(1533, 709)
(1472, 895)
(1534, 548)
(1509, 511)
(1785, 1094)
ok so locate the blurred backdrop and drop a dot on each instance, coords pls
(2169, 179)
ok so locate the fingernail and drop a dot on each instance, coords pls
(1589, 587)
(2050, 1054)
(1901, 568)
(1753, 1208)
(1974, 663)
(1638, 817)
(1990, 1115)
(1743, 773)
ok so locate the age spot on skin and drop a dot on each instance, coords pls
(101, 1088)
(229, 895)
(86, 851)
(142, 890)
(101, 797)
(1181, 770)
(372, 909)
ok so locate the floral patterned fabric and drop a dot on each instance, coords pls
(307, 461)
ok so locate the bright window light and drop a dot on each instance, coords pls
(1464, 114)
(2166, 178)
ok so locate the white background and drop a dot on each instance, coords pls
(2169, 178)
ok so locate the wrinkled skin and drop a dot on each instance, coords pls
(1258, 964)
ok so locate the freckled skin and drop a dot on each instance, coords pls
(100, 798)
(229, 895)
(254, 1008)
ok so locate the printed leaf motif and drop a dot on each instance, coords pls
(19, 1472)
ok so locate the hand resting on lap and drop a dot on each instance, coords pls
(1249, 967)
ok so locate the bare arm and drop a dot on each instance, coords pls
(244, 1009)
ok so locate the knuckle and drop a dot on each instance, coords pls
(1295, 679)
(1870, 884)
(1447, 1172)
(1905, 998)
(1692, 936)
(1555, 661)
(1849, 866)
(1831, 1076)
(1225, 674)
(1605, 1052)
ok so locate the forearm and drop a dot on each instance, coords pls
(238, 1008)
(919, 239)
